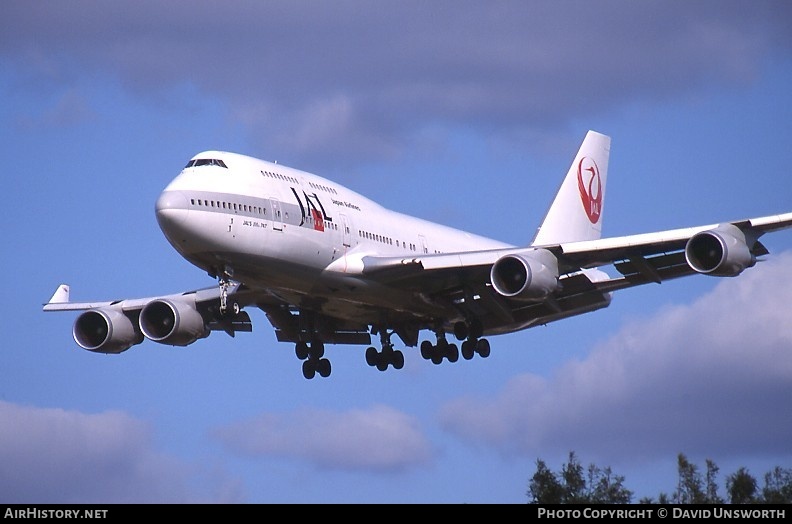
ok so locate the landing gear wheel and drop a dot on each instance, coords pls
(398, 359)
(440, 351)
(483, 347)
(371, 356)
(460, 330)
(323, 367)
(301, 350)
(468, 349)
(452, 353)
(426, 349)
(309, 369)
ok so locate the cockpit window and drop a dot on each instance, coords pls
(205, 162)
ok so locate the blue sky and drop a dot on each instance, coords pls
(463, 113)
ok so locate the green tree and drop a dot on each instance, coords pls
(741, 487)
(711, 494)
(778, 486)
(544, 487)
(690, 488)
(575, 489)
(595, 485)
(574, 485)
(607, 488)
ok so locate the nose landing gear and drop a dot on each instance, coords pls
(226, 284)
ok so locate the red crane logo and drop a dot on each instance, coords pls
(591, 189)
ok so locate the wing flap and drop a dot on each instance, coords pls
(579, 294)
(232, 324)
(395, 267)
(653, 268)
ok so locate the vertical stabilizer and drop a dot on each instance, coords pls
(576, 212)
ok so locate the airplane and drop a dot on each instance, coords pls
(329, 266)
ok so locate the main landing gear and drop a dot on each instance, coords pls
(312, 357)
(312, 354)
(470, 332)
(388, 356)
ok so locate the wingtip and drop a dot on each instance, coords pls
(61, 295)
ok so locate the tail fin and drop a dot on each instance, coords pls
(576, 212)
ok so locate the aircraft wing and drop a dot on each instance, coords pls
(638, 259)
(176, 319)
(655, 257)
(60, 300)
(606, 250)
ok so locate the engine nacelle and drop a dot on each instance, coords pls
(172, 322)
(105, 331)
(722, 251)
(529, 276)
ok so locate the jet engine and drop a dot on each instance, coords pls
(526, 276)
(722, 251)
(172, 322)
(105, 331)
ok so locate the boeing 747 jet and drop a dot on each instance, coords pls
(329, 266)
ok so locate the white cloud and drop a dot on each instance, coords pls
(381, 74)
(52, 455)
(379, 439)
(712, 377)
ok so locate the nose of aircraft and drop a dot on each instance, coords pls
(172, 209)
